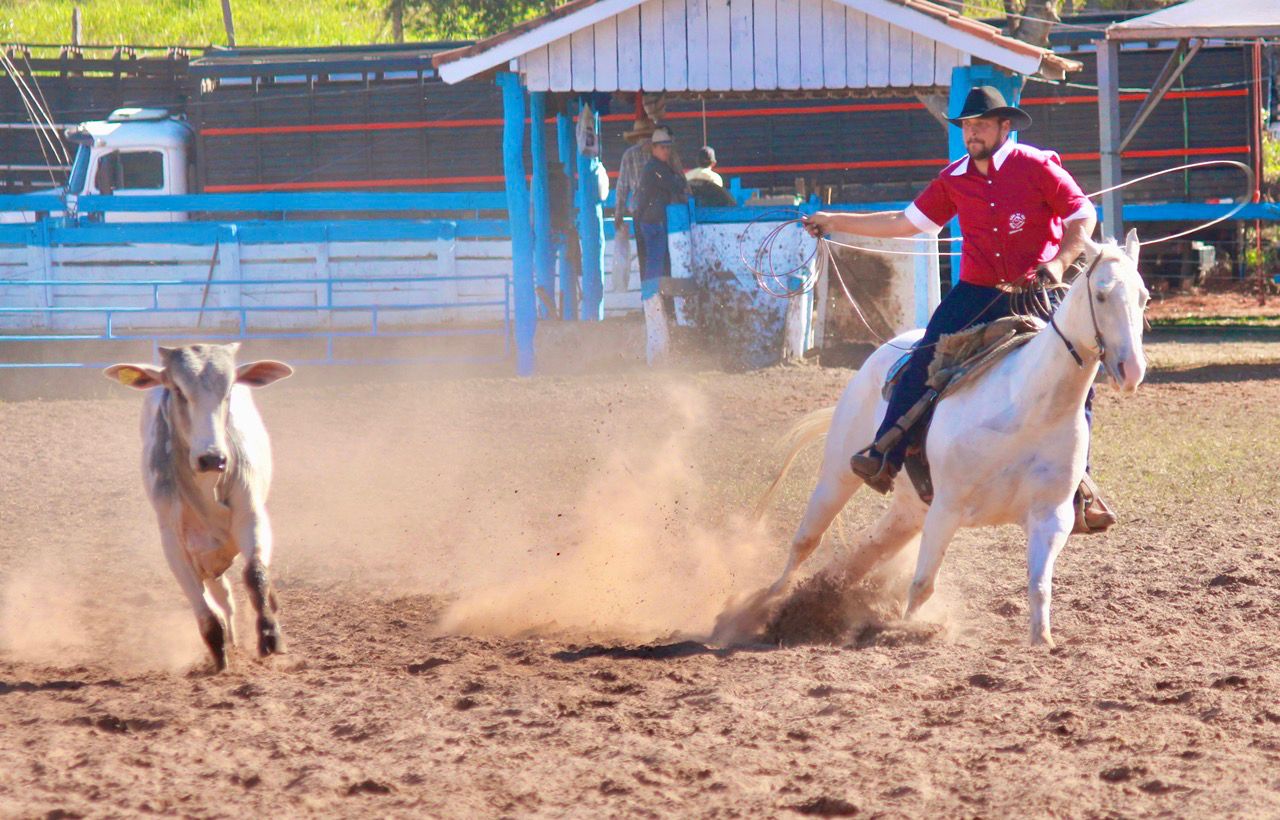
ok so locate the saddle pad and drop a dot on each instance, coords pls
(891, 378)
(962, 356)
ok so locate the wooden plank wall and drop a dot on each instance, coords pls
(261, 263)
(740, 45)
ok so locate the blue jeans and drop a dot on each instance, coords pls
(655, 261)
(965, 306)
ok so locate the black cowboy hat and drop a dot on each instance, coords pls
(985, 101)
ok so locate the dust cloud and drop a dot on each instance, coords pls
(648, 558)
(551, 510)
(50, 614)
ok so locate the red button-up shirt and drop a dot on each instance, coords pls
(1011, 218)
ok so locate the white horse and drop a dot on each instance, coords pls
(1008, 447)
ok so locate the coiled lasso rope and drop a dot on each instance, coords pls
(801, 277)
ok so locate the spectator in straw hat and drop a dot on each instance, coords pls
(661, 184)
(629, 169)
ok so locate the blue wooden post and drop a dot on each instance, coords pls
(518, 214)
(570, 271)
(591, 232)
(963, 80)
(544, 259)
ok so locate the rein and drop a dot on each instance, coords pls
(1093, 315)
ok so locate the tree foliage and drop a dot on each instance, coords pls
(473, 19)
(997, 8)
(464, 19)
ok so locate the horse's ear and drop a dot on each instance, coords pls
(1091, 250)
(1132, 245)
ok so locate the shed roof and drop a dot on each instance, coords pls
(1203, 18)
(735, 45)
(245, 62)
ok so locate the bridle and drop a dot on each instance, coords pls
(1093, 316)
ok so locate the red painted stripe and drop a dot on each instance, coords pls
(1172, 95)
(730, 169)
(732, 113)
(1164, 152)
(356, 184)
(337, 127)
(829, 166)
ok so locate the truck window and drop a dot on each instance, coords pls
(130, 171)
(79, 171)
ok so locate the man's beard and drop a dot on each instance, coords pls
(983, 153)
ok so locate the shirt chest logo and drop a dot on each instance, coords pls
(1017, 222)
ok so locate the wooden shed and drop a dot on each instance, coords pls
(695, 48)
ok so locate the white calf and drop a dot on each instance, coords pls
(206, 463)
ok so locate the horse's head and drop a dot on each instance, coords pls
(1117, 299)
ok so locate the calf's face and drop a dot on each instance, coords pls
(199, 379)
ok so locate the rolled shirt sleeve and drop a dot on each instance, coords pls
(931, 209)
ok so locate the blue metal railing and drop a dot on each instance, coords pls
(374, 312)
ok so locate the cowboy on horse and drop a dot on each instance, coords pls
(1024, 220)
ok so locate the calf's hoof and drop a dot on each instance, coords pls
(270, 640)
(214, 636)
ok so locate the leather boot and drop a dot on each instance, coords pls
(874, 469)
(1092, 513)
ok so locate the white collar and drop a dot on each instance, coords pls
(1002, 153)
(997, 159)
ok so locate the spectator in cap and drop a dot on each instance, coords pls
(706, 163)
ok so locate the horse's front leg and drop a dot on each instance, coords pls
(1046, 535)
(940, 525)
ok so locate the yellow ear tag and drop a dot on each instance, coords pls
(129, 375)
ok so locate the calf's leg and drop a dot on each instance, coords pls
(253, 533)
(212, 629)
(220, 590)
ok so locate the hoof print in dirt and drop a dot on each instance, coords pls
(367, 787)
(1226, 580)
(465, 704)
(984, 681)
(825, 807)
(1159, 787)
(427, 665)
(1121, 774)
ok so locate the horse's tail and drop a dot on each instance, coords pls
(811, 428)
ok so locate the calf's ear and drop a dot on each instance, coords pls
(137, 376)
(263, 373)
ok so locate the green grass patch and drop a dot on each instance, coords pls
(1217, 321)
(197, 24)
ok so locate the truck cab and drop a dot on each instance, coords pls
(133, 152)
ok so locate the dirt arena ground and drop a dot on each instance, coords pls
(494, 593)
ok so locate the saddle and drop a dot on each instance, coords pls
(958, 359)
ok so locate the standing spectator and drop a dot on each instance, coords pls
(661, 184)
(629, 169)
(706, 163)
